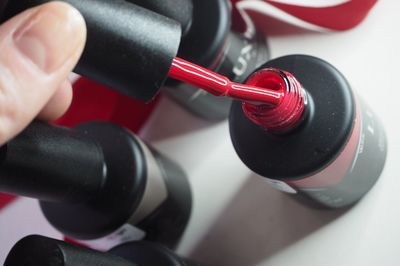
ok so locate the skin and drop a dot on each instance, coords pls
(39, 48)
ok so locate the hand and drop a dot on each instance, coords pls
(38, 50)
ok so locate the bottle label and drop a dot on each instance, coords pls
(156, 190)
(280, 185)
(243, 55)
(154, 195)
(355, 170)
(127, 233)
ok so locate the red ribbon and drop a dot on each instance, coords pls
(338, 17)
(6, 199)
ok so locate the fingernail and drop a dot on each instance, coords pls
(50, 36)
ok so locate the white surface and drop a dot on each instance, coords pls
(21, 218)
(238, 220)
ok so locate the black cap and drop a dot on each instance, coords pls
(37, 250)
(179, 10)
(121, 192)
(129, 48)
(53, 164)
(77, 173)
(2, 5)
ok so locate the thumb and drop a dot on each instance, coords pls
(38, 49)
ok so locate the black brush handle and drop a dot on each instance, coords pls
(129, 48)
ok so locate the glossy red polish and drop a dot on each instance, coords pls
(221, 86)
(289, 112)
(273, 99)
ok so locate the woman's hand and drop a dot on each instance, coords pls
(38, 50)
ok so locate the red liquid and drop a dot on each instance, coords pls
(289, 113)
(273, 99)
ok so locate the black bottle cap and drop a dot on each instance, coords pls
(53, 164)
(37, 250)
(208, 33)
(92, 179)
(122, 190)
(77, 173)
(315, 143)
(2, 5)
(179, 10)
(147, 253)
(129, 48)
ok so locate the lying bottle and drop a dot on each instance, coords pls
(38, 250)
(335, 151)
(209, 42)
(98, 181)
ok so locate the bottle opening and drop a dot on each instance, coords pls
(289, 113)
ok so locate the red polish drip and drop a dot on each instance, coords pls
(272, 99)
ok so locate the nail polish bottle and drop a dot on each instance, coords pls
(37, 250)
(210, 42)
(337, 152)
(129, 48)
(98, 182)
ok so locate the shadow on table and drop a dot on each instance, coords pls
(257, 223)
